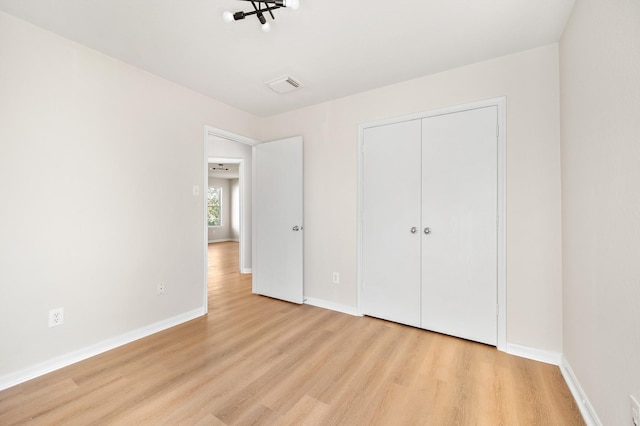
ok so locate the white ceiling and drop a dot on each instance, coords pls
(334, 47)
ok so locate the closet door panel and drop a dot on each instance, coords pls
(459, 195)
(391, 170)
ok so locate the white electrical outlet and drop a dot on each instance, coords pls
(336, 278)
(635, 411)
(160, 288)
(56, 317)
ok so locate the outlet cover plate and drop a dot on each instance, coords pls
(56, 317)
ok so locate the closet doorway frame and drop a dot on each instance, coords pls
(501, 104)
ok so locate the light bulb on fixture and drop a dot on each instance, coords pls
(227, 16)
(230, 17)
(293, 4)
(264, 24)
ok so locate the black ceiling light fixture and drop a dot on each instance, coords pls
(260, 7)
(221, 167)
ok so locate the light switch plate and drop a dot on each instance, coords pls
(196, 190)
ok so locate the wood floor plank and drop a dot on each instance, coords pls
(256, 360)
(306, 411)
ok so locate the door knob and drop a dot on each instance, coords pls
(414, 230)
(427, 230)
(296, 228)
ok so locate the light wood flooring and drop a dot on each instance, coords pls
(255, 360)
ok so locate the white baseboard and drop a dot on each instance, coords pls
(535, 354)
(345, 309)
(12, 379)
(586, 409)
(246, 271)
(222, 240)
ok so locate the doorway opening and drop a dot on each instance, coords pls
(223, 201)
(230, 226)
(223, 221)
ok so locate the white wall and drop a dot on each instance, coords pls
(222, 232)
(218, 147)
(600, 97)
(121, 150)
(530, 82)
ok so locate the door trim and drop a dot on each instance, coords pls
(215, 132)
(500, 103)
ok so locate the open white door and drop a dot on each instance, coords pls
(277, 212)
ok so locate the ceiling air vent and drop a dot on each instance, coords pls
(284, 84)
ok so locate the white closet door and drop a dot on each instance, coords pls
(391, 208)
(459, 195)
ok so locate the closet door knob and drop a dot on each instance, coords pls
(427, 231)
(414, 230)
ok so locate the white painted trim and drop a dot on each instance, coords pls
(499, 101)
(501, 104)
(12, 379)
(212, 131)
(535, 354)
(254, 256)
(205, 223)
(586, 409)
(242, 231)
(360, 204)
(325, 304)
(246, 271)
(502, 224)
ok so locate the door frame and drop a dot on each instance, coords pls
(500, 103)
(224, 134)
